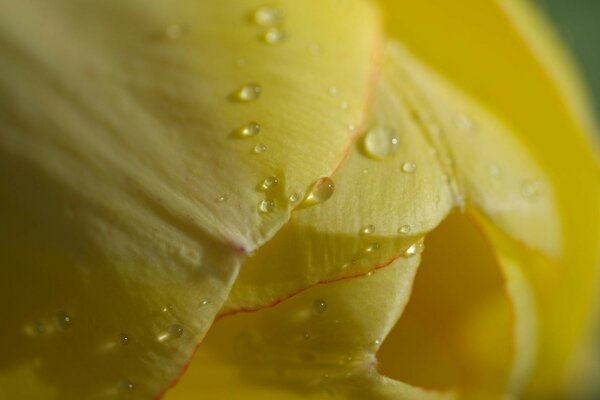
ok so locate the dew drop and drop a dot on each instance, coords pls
(352, 127)
(64, 320)
(409, 167)
(333, 91)
(274, 36)
(530, 189)
(306, 335)
(127, 385)
(268, 16)
(367, 230)
(123, 338)
(321, 191)
(344, 105)
(167, 308)
(259, 148)
(266, 206)
(173, 332)
(404, 229)
(320, 306)
(269, 183)
(464, 122)
(222, 199)
(381, 142)
(414, 249)
(249, 130)
(365, 171)
(205, 302)
(247, 93)
(295, 197)
(377, 342)
(371, 248)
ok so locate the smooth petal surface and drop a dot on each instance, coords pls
(516, 67)
(318, 345)
(130, 188)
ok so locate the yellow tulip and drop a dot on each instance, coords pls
(370, 200)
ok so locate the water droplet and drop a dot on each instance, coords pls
(325, 377)
(37, 328)
(414, 249)
(306, 335)
(222, 199)
(321, 190)
(351, 127)
(494, 171)
(274, 36)
(371, 248)
(167, 308)
(530, 189)
(333, 91)
(174, 31)
(381, 142)
(295, 197)
(409, 167)
(365, 171)
(404, 229)
(377, 342)
(247, 93)
(127, 385)
(464, 122)
(205, 302)
(266, 206)
(320, 306)
(269, 183)
(123, 338)
(268, 16)
(367, 230)
(344, 105)
(63, 320)
(259, 148)
(173, 332)
(249, 130)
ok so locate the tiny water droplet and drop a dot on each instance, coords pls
(325, 377)
(409, 167)
(295, 197)
(365, 171)
(320, 306)
(123, 338)
(464, 122)
(351, 127)
(127, 385)
(368, 230)
(274, 36)
(205, 302)
(306, 335)
(344, 105)
(377, 342)
(321, 191)
(268, 16)
(266, 206)
(530, 189)
(269, 183)
(64, 320)
(404, 229)
(247, 93)
(381, 142)
(259, 148)
(167, 308)
(173, 332)
(371, 248)
(414, 249)
(333, 91)
(222, 199)
(249, 130)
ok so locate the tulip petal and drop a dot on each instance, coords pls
(317, 345)
(517, 68)
(131, 189)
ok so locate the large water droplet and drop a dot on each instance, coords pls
(321, 191)
(266, 206)
(249, 130)
(381, 142)
(269, 183)
(268, 16)
(274, 36)
(247, 93)
(173, 332)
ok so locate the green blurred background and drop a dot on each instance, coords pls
(578, 22)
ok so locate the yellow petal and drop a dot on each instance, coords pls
(129, 187)
(317, 345)
(518, 70)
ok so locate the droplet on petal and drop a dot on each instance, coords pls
(274, 36)
(381, 142)
(173, 332)
(414, 249)
(367, 230)
(259, 148)
(266, 206)
(409, 167)
(320, 306)
(268, 16)
(269, 183)
(249, 130)
(404, 229)
(321, 191)
(247, 93)
(64, 320)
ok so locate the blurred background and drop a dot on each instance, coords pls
(578, 22)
